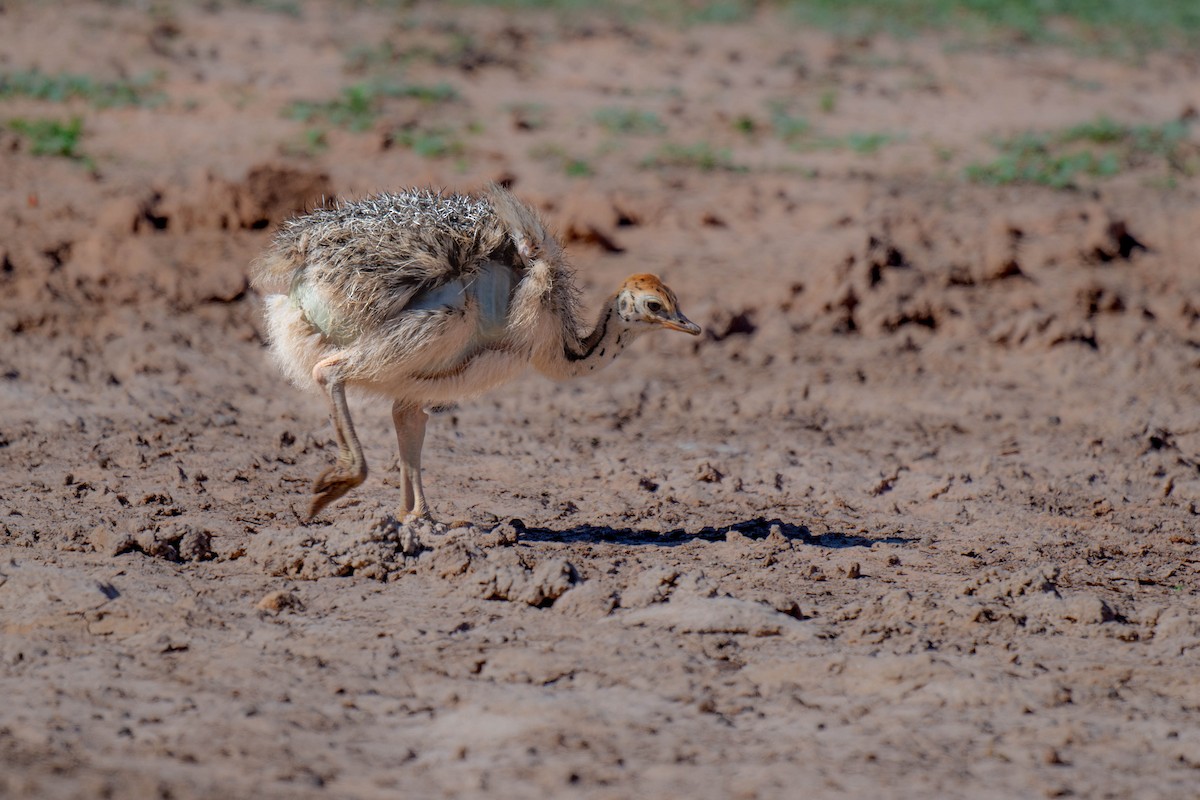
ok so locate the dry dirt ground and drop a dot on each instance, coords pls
(917, 517)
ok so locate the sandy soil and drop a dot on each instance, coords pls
(917, 517)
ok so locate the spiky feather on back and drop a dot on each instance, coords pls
(366, 259)
(407, 285)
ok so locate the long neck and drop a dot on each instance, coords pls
(584, 355)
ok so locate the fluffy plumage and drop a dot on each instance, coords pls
(427, 298)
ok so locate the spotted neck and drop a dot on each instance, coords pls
(609, 337)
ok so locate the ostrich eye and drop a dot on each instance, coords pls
(653, 306)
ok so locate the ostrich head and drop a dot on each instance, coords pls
(645, 301)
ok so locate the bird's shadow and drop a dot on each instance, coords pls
(757, 528)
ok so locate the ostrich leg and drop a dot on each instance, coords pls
(351, 467)
(410, 435)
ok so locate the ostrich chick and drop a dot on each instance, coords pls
(426, 298)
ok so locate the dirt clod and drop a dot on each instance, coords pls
(279, 601)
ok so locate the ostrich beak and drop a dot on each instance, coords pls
(678, 322)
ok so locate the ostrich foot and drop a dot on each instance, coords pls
(334, 482)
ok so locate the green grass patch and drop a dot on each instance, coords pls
(1030, 159)
(868, 143)
(358, 106)
(430, 142)
(309, 144)
(64, 86)
(1100, 148)
(829, 101)
(701, 155)
(630, 121)
(1141, 24)
(745, 125)
(799, 133)
(288, 8)
(51, 137)
(712, 12)
(864, 144)
(578, 168)
(792, 128)
(572, 166)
